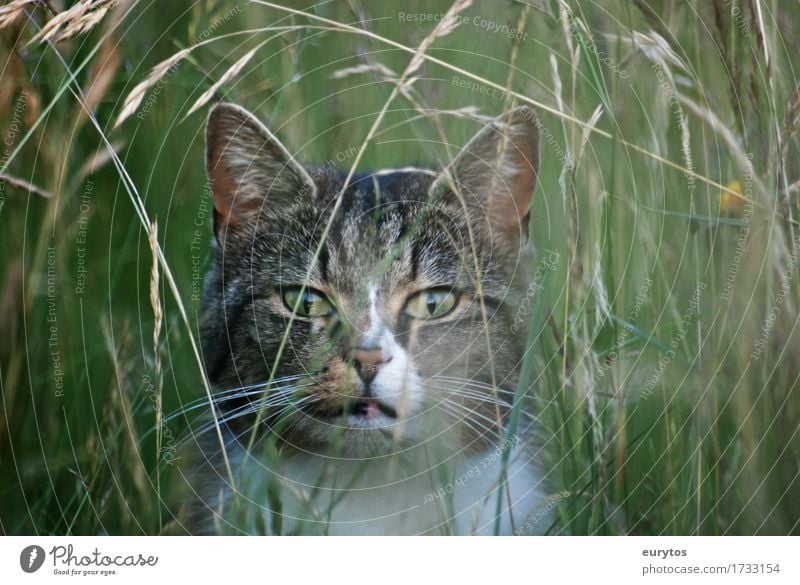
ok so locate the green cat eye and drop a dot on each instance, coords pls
(431, 304)
(312, 303)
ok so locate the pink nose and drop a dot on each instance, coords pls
(368, 361)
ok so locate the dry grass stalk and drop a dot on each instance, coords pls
(158, 72)
(659, 23)
(155, 301)
(793, 115)
(740, 158)
(119, 405)
(657, 49)
(423, 112)
(232, 72)
(77, 20)
(447, 25)
(22, 184)
(587, 132)
(158, 320)
(13, 10)
(372, 67)
(727, 53)
(137, 94)
(557, 87)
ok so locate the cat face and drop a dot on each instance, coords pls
(368, 315)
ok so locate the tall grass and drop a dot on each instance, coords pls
(666, 356)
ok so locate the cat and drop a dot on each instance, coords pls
(387, 305)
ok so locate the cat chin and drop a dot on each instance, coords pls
(362, 440)
(366, 444)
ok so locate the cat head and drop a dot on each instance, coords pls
(371, 314)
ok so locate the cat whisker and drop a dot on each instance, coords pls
(277, 382)
(273, 382)
(473, 384)
(475, 395)
(472, 395)
(489, 388)
(472, 412)
(268, 394)
(251, 408)
(469, 411)
(234, 437)
(233, 394)
(475, 425)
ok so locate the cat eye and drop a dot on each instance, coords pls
(431, 304)
(309, 302)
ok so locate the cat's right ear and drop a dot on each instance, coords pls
(250, 171)
(494, 176)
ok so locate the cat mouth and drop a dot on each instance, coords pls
(359, 411)
(362, 408)
(370, 408)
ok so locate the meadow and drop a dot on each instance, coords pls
(665, 351)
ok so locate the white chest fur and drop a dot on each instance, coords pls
(389, 495)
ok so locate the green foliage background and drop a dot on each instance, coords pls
(661, 415)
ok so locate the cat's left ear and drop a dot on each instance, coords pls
(495, 174)
(250, 171)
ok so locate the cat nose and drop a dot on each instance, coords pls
(368, 360)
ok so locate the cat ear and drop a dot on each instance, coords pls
(248, 168)
(495, 173)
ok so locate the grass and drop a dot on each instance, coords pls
(667, 357)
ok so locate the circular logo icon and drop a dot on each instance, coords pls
(31, 558)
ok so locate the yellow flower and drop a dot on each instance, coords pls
(730, 204)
